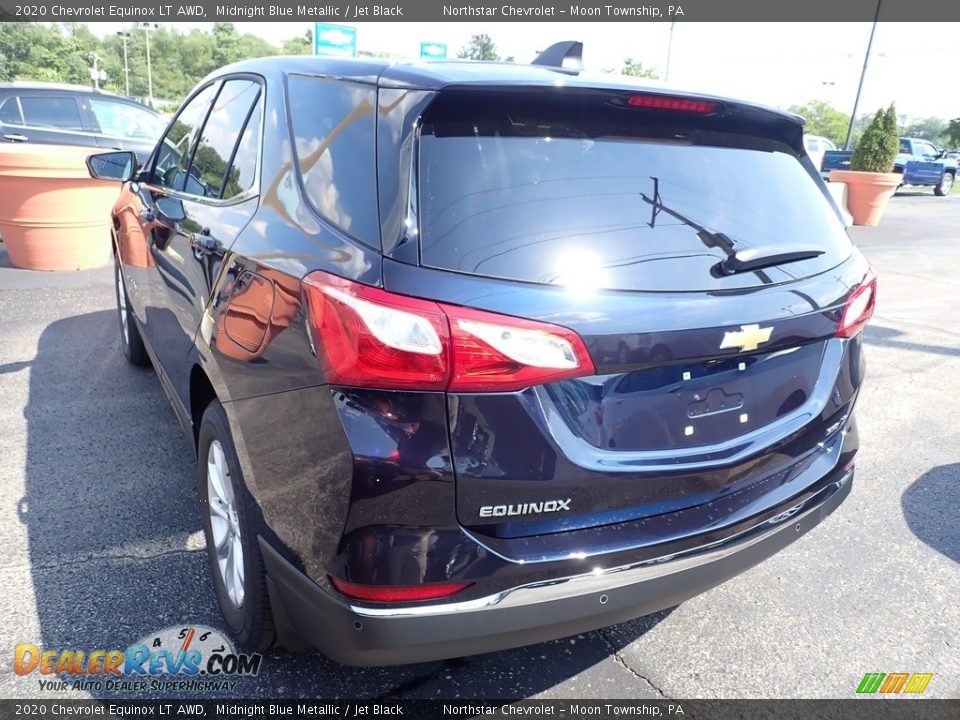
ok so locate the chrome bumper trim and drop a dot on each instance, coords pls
(600, 580)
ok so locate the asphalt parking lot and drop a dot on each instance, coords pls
(100, 524)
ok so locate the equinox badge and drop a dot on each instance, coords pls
(748, 337)
(524, 508)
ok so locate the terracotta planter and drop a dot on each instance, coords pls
(53, 215)
(867, 193)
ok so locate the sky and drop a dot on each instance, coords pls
(779, 64)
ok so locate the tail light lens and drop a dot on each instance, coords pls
(397, 593)
(500, 353)
(859, 308)
(369, 337)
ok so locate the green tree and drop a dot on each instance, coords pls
(252, 46)
(929, 128)
(226, 43)
(823, 119)
(879, 145)
(63, 52)
(891, 133)
(635, 68)
(302, 45)
(480, 47)
(951, 135)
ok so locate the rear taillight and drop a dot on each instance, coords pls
(494, 352)
(673, 102)
(369, 337)
(859, 308)
(397, 593)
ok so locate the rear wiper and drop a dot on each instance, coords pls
(753, 259)
(764, 256)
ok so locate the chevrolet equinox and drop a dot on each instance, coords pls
(477, 355)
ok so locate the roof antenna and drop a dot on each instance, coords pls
(565, 55)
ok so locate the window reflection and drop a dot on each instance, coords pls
(334, 130)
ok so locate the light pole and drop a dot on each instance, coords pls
(828, 89)
(124, 37)
(147, 29)
(96, 74)
(863, 74)
(666, 73)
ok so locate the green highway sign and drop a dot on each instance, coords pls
(433, 50)
(334, 40)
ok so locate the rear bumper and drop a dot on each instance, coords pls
(365, 635)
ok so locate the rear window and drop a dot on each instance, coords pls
(579, 191)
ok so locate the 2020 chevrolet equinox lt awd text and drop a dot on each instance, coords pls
(477, 355)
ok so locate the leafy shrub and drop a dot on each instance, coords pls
(879, 145)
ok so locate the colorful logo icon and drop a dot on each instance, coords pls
(894, 683)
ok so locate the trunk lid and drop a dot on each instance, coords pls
(579, 210)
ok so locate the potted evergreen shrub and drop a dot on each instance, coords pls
(870, 180)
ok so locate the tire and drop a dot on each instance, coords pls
(945, 186)
(243, 599)
(130, 340)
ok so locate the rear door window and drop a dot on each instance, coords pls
(10, 112)
(47, 111)
(577, 191)
(123, 120)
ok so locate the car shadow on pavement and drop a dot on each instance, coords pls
(116, 550)
(930, 509)
(888, 337)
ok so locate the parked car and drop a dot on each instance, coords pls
(938, 173)
(388, 312)
(816, 146)
(48, 113)
(910, 149)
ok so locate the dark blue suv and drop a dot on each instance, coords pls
(478, 355)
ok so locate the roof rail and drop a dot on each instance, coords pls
(565, 55)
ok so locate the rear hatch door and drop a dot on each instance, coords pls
(619, 220)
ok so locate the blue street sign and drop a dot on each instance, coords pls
(433, 50)
(334, 40)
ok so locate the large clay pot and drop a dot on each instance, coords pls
(867, 193)
(53, 215)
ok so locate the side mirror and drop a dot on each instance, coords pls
(120, 166)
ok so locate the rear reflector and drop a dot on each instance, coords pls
(672, 102)
(859, 308)
(367, 337)
(397, 593)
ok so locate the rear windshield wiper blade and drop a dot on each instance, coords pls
(764, 256)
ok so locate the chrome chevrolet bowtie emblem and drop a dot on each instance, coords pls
(748, 337)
